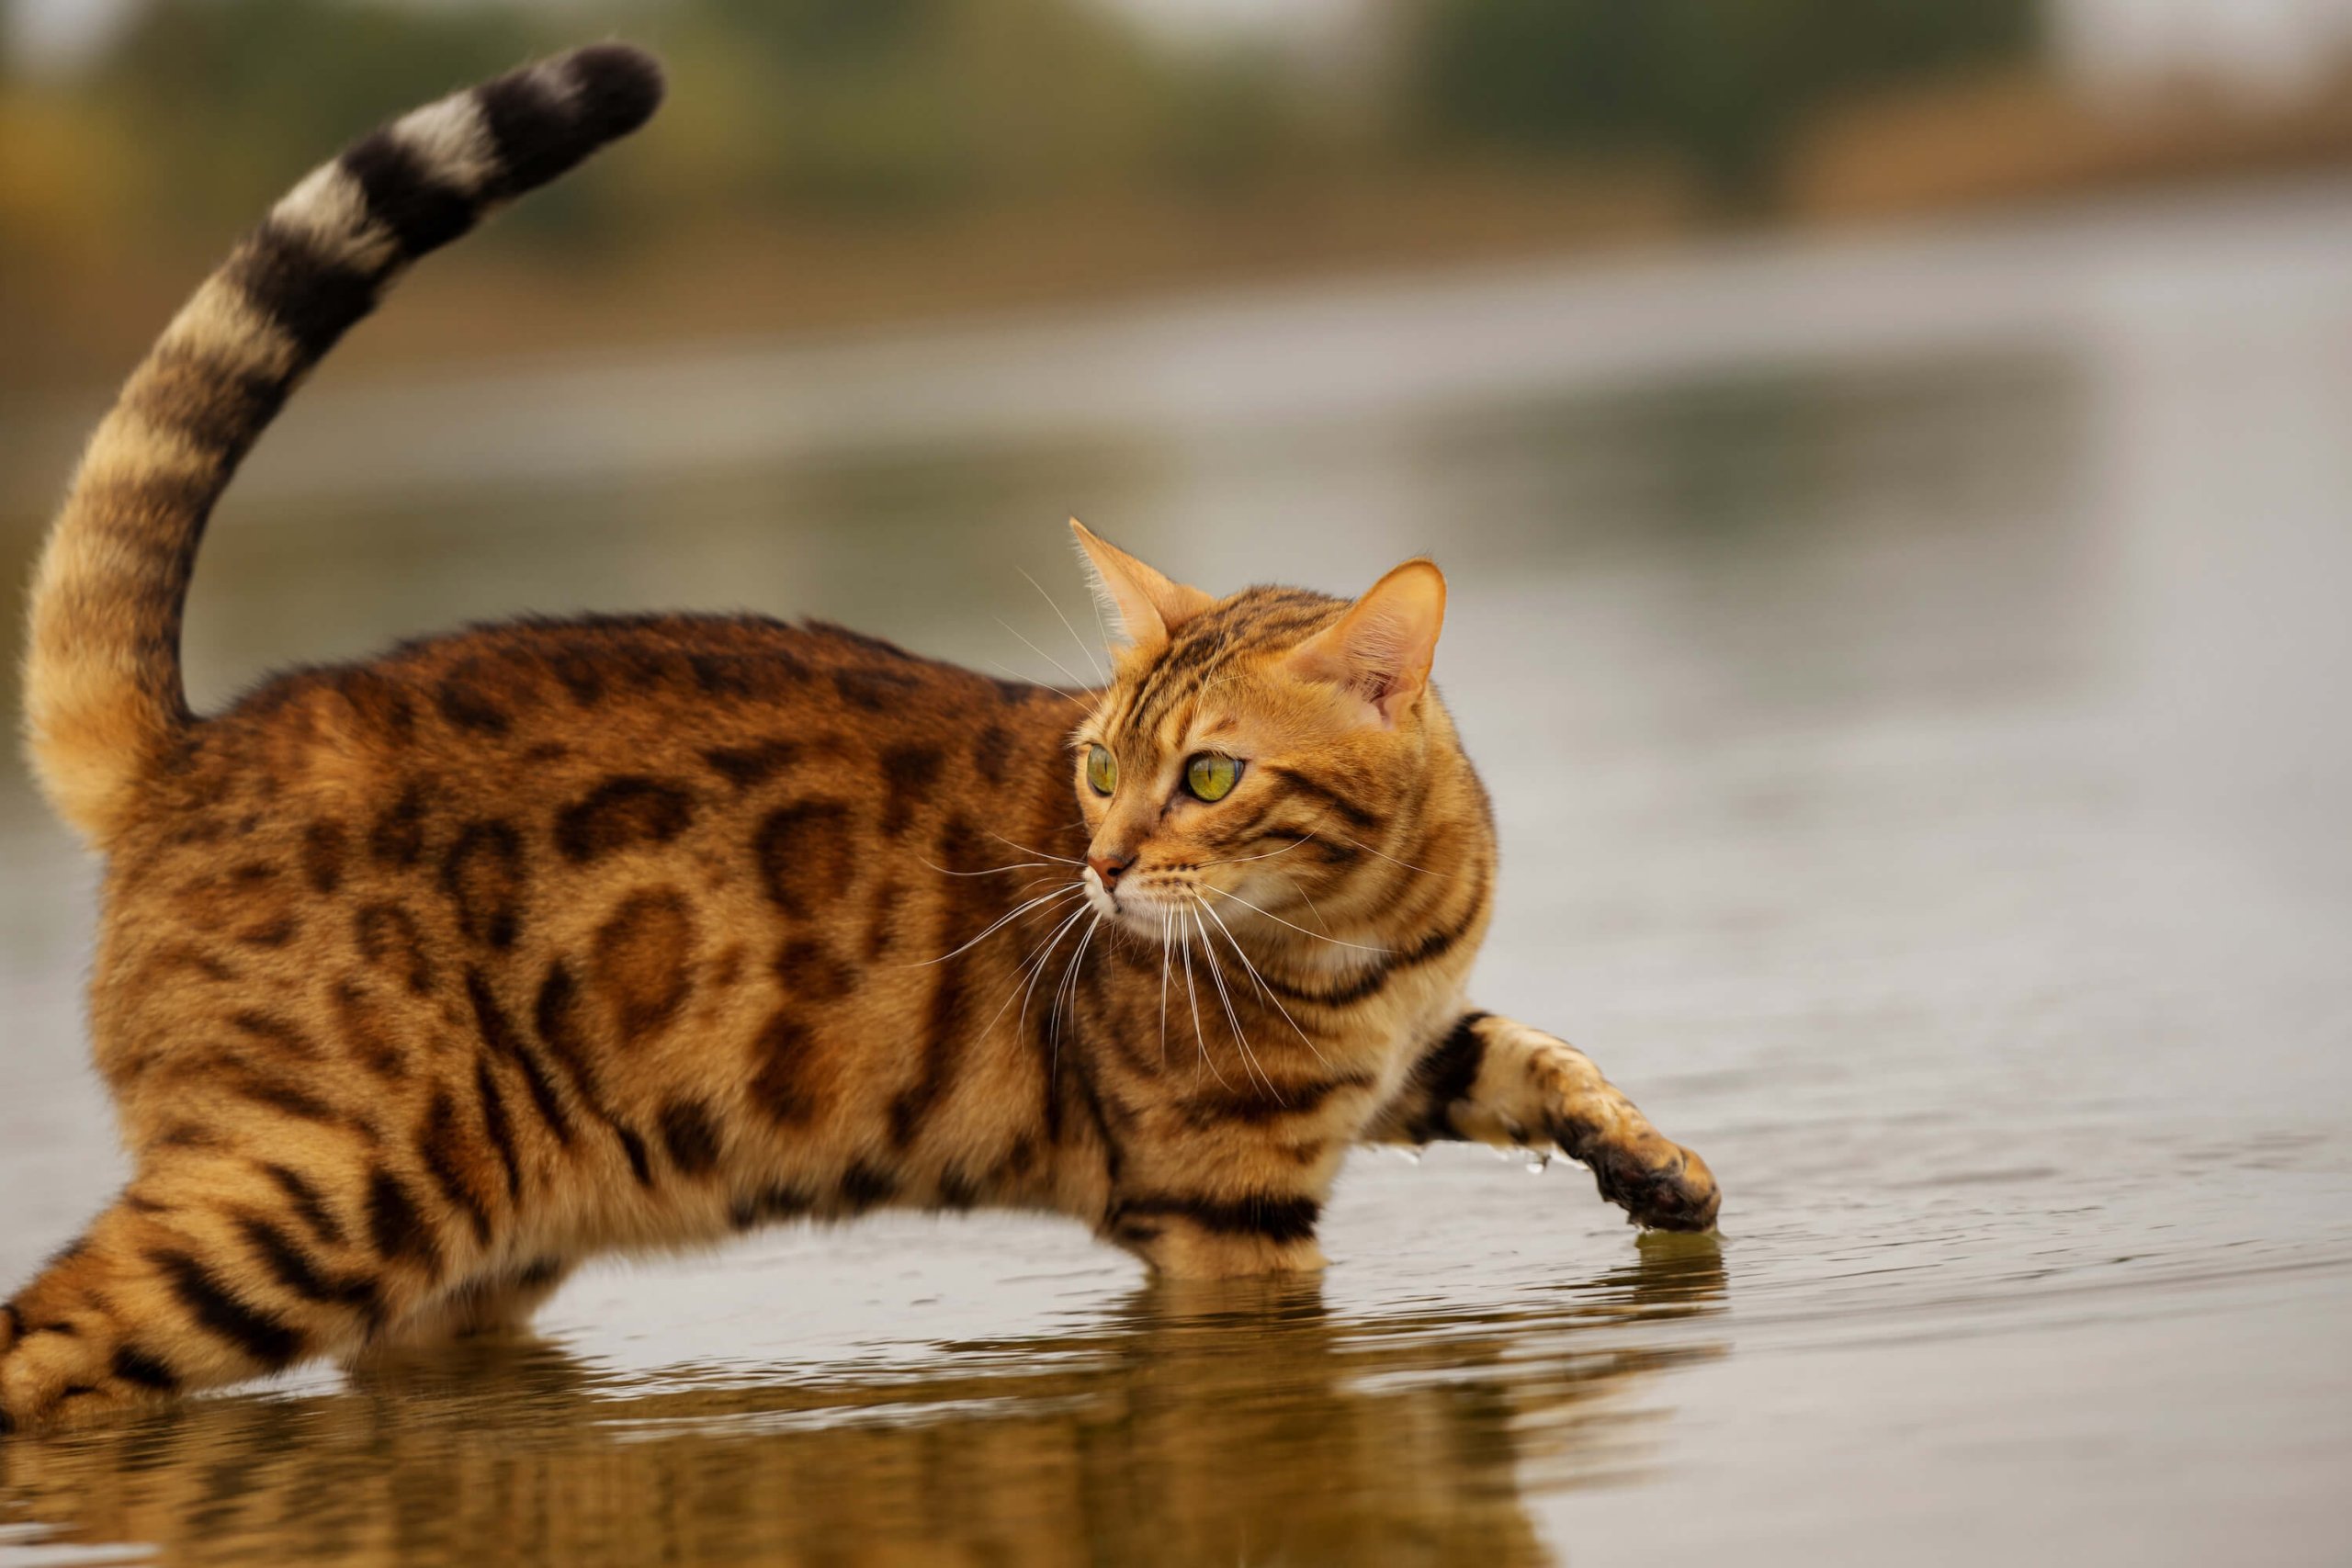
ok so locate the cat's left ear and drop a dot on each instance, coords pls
(1150, 607)
(1381, 648)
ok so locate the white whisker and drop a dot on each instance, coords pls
(984, 871)
(1163, 987)
(1244, 860)
(1041, 653)
(1065, 993)
(997, 925)
(1018, 678)
(1263, 989)
(1301, 930)
(1029, 850)
(1392, 860)
(1216, 973)
(1033, 970)
(1200, 1040)
(1083, 651)
(1308, 899)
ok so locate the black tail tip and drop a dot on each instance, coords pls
(620, 88)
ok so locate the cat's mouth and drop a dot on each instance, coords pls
(1139, 905)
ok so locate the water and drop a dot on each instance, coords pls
(1910, 673)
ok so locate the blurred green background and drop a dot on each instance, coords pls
(838, 162)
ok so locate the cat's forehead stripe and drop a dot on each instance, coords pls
(1254, 618)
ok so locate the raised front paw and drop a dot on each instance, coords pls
(1657, 1181)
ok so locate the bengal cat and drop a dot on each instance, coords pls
(420, 980)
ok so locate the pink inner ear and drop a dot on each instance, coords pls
(1381, 648)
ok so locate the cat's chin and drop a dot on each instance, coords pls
(1136, 912)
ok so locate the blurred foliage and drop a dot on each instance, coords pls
(202, 109)
(828, 153)
(1724, 83)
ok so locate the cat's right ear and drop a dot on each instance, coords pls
(1381, 649)
(1149, 605)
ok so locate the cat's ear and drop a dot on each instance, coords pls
(1381, 649)
(1149, 606)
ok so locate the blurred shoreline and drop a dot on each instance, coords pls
(545, 404)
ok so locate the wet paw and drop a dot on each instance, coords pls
(1659, 1183)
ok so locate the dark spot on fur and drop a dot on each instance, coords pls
(1276, 1217)
(991, 753)
(690, 1136)
(395, 1225)
(544, 1271)
(789, 1064)
(364, 1035)
(307, 1202)
(644, 962)
(882, 920)
(141, 1370)
(453, 1162)
(380, 704)
(874, 690)
(805, 855)
(732, 675)
(207, 1299)
(499, 1128)
(275, 933)
(863, 1186)
(776, 1203)
(389, 939)
(465, 704)
(298, 1272)
(270, 1030)
(398, 837)
(619, 813)
(324, 844)
(499, 1033)
(910, 776)
(811, 973)
(748, 766)
(575, 666)
(556, 1015)
(958, 1190)
(968, 908)
(483, 876)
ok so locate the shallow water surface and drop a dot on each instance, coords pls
(1909, 673)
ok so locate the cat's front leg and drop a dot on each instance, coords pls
(1226, 1199)
(1493, 1080)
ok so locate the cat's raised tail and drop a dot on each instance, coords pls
(105, 709)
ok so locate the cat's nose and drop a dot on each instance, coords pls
(1108, 867)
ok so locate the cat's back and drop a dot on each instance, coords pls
(475, 804)
(613, 727)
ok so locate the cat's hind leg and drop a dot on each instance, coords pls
(493, 1305)
(208, 1271)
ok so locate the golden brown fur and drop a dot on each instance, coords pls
(422, 979)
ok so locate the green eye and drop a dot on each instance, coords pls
(1102, 770)
(1211, 777)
